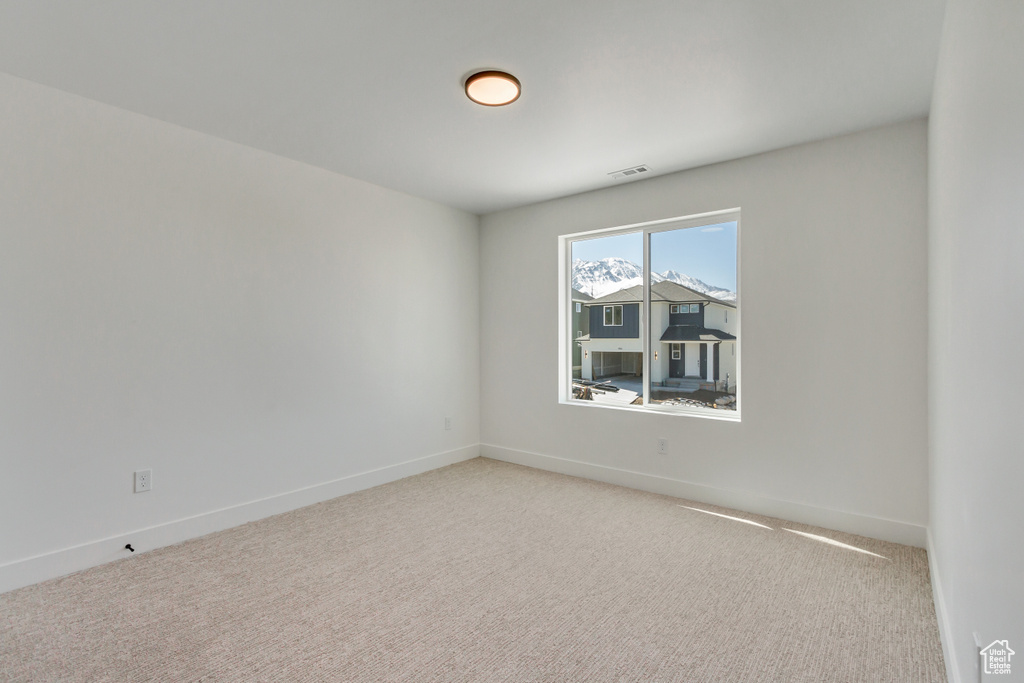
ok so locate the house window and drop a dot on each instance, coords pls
(579, 307)
(633, 273)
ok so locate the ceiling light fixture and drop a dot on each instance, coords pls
(493, 88)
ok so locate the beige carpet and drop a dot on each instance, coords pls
(485, 571)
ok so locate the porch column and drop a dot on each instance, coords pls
(709, 355)
(712, 347)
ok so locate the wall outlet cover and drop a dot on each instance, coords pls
(143, 480)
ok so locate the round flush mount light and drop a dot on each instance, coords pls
(493, 88)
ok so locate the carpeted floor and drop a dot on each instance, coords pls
(485, 571)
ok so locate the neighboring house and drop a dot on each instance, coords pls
(580, 327)
(694, 336)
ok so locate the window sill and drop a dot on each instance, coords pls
(709, 414)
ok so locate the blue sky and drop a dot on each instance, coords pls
(707, 252)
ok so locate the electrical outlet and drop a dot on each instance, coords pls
(662, 446)
(447, 424)
(143, 480)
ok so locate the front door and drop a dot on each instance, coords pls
(692, 360)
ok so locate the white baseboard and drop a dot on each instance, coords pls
(945, 633)
(862, 525)
(69, 560)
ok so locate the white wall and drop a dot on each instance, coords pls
(244, 325)
(833, 374)
(714, 317)
(976, 262)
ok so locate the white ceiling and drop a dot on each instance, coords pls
(373, 89)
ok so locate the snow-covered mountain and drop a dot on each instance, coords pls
(608, 275)
(695, 284)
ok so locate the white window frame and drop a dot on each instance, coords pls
(579, 307)
(694, 308)
(677, 351)
(612, 307)
(566, 328)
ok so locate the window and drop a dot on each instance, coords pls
(639, 353)
(579, 307)
(613, 316)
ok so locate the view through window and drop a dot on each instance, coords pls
(668, 340)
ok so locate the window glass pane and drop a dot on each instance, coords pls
(697, 265)
(607, 278)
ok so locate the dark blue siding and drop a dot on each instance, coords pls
(629, 329)
(687, 318)
(677, 368)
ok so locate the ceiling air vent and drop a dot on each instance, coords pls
(631, 172)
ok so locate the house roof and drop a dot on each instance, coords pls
(690, 333)
(623, 296)
(577, 295)
(666, 290)
(684, 333)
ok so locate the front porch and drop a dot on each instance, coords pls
(687, 383)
